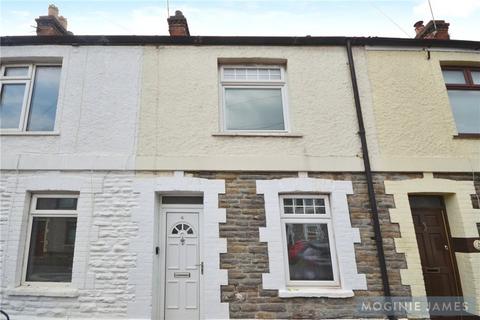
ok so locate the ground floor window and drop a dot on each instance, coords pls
(51, 238)
(308, 239)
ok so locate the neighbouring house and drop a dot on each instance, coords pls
(187, 177)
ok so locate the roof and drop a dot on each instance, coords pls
(124, 40)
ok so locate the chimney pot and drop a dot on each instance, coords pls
(53, 10)
(177, 25)
(63, 21)
(52, 24)
(418, 26)
(437, 29)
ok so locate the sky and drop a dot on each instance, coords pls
(382, 18)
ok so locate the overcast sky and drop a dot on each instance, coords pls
(385, 18)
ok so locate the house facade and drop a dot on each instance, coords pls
(220, 177)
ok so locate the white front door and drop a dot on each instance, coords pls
(182, 264)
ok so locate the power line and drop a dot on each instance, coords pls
(390, 19)
(433, 19)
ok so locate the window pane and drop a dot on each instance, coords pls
(44, 99)
(11, 105)
(16, 71)
(229, 74)
(275, 74)
(56, 204)
(50, 257)
(453, 76)
(288, 209)
(240, 74)
(308, 248)
(466, 110)
(476, 77)
(254, 109)
(263, 74)
(252, 74)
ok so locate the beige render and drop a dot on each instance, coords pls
(409, 125)
(413, 118)
(415, 132)
(180, 98)
(462, 220)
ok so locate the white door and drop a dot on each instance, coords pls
(182, 277)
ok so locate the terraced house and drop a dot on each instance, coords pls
(186, 177)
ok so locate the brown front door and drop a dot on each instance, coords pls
(433, 238)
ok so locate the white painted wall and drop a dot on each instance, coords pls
(96, 113)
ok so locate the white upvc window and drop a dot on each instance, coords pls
(308, 241)
(50, 244)
(253, 98)
(29, 96)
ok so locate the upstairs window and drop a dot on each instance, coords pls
(29, 95)
(254, 98)
(463, 85)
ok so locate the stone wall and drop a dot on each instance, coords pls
(102, 258)
(247, 259)
(108, 229)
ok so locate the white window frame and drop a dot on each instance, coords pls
(319, 218)
(253, 84)
(29, 81)
(344, 235)
(33, 212)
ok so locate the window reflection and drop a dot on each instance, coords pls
(50, 256)
(43, 106)
(309, 256)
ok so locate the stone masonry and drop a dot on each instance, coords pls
(247, 259)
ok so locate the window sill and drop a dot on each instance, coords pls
(467, 136)
(257, 134)
(29, 133)
(43, 291)
(315, 292)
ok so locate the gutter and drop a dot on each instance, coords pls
(125, 40)
(368, 174)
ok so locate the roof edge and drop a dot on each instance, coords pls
(125, 40)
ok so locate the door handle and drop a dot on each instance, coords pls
(201, 267)
(446, 247)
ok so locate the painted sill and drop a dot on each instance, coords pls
(43, 292)
(467, 136)
(257, 134)
(315, 293)
(29, 133)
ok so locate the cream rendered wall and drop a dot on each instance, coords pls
(97, 110)
(414, 121)
(180, 112)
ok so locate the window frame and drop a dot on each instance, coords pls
(253, 84)
(29, 80)
(467, 74)
(323, 218)
(33, 212)
(468, 86)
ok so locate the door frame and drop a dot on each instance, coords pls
(159, 277)
(453, 259)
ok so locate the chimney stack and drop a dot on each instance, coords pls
(437, 30)
(52, 24)
(177, 25)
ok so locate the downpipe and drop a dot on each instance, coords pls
(368, 174)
